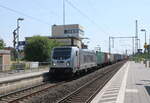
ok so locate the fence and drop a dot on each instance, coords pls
(24, 67)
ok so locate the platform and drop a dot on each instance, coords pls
(131, 84)
(21, 79)
(12, 76)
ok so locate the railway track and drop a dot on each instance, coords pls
(85, 93)
(82, 95)
(20, 96)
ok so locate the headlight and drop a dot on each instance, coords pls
(68, 63)
(53, 64)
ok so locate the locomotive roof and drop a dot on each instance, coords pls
(75, 48)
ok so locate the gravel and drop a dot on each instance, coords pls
(55, 94)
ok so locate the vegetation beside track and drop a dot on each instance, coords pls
(141, 57)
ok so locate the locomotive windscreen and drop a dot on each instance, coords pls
(61, 53)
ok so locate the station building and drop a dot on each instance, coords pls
(71, 34)
(4, 60)
(73, 30)
(68, 35)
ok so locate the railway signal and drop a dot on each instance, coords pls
(15, 37)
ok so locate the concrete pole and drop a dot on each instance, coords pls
(18, 31)
(63, 12)
(18, 40)
(136, 36)
(149, 39)
(109, 44)
(19, 19)
(145, 42)
(145, 37)
(139, 44)
(133, 45)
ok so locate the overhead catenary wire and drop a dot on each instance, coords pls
(94, 9)
(23, 14)
(86, 16)
(36, 2)
(39, 20)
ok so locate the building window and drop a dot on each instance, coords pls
(74, 31)
(71, 31)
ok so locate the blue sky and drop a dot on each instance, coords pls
(104, 18)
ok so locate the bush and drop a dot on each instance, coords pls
(39, 48)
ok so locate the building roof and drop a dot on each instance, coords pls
(68, 25)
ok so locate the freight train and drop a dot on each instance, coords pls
(72, 60)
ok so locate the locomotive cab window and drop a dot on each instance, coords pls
(61, 53)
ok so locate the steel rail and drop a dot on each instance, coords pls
(44, 87)
(106, 76)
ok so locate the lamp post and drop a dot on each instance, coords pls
(145, 34)
(19, 19)
(18, 26)
(145, 45)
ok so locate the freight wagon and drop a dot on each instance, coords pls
(72, 60)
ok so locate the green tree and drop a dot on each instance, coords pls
(2, 44)
(39, 48)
